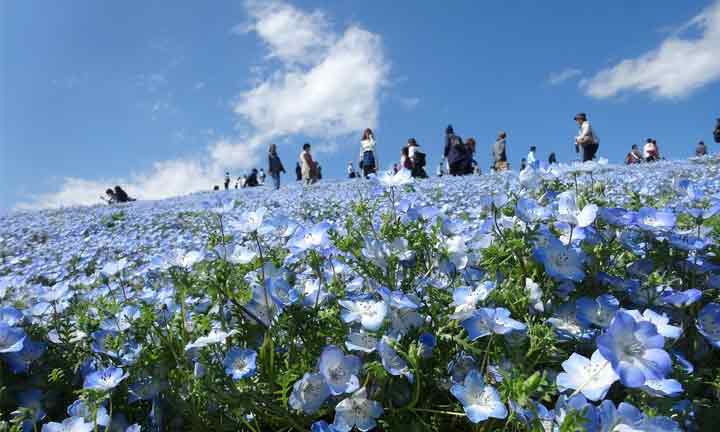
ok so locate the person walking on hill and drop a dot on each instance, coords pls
(417, 157)
(275, 166)
(368, 156)
(499, 152)
(298, 172)
(469, 165)
(455, 152)
(634, 156)
(261, 176)
(587, 139)
(350, 170)
(531, 159)
(651, 153)
(227, 180)
(552, 159)
(307, 165)
(701, 149)
(716, 132)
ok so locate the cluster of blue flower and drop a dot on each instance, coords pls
(583, 296)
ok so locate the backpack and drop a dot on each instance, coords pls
(419, 159)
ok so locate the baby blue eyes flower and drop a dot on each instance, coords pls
(635, 350)
(391, 360)
(480, 401)
(10, 316)
(598, 312)
(486, 321)
(240, 363)
(339, 370)
(369, 313)
(560, 262)
(708, 323)
(654, 219)
(569, 212)
(72, 424)
(250, 221)
(104, 380)
(309, 393)
(400, 178)
(591, 377)
(315, 237)
(11, 339)
(215, 336)
(357, 411)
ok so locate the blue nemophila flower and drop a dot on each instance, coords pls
(369, 313)
(104, 380)
(592, 377)
(654, 219)
(426, 344)
(80, 409)
(530, 211)
(361, 341)
(598, 312)
(486, 321)
(20, 361)
(249, 221)
(391, 360)
(72, 424)
(680, 298)
(11, 339)
(465, 299)
(242, 255)
(114, 267)
(340, 370)
(560, 262)
(480, 401)
(397, 299)
(309, 393)
(389, 179)
(569, 212)
(314, 238)
(577, 404)
(628, 418)
(215, 336)
(322, 426)
(240, 363)
(357, 411)
(708, 323)
(663, 388)
(661, 322)
(635, 350)
(10, 316)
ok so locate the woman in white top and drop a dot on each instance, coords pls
(368, 157)
(307, 165)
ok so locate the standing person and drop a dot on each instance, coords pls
(455, 152)
(298, 172)
(440, 169)
(110, 197)
(523, 164)
(307, 165)
(552, 159)
(531, 159)
(261, 176)
(701, 149)
(650, 151)
(395, 168)
(368, 157)
(227, 180)
(634, 156)
(499, 152)
(470, 163)
(275, 166)
(405, 161)
(350, 170)
(252, 179)
(716, 132)
(586, 140)
(318, 171)
(418, 159)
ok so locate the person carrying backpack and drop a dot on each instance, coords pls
(275, 166)
(418, 159)
(586, 140)
(455, 152)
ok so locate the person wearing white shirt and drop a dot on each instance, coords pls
(368, 156)
(531, 159)
(586, 140)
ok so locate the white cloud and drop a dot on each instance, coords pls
(409, 103)
(199, 85)
(166, 179)
(673, 70)
(325, 86)
(556, 78)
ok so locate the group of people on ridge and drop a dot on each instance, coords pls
(458, 158)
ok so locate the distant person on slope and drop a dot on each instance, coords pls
(552, 159)
(418, 159)
(121, 196)
(701, 149)
(261, 176)
(368, 156)
(531, 159)
(275, 166)
(252, 179)
(586, 140)
(455, 152)
(350, 170)
(298, 172)
(499, 152)
(650, 151)
(109, 197)
(307, 165)
(716, 132)
(634, 156)
(227, 181)
(469, 163)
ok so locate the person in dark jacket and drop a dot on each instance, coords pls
(121, 196)
(469, 162)
(634, 156)
(716, 132)
(701, 149)
(252, 179)
(298, 172)
(499, 152)
(227, 181)
(455, 152)
(552, 159)
(275, 166)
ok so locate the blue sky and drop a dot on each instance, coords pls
(164, 96)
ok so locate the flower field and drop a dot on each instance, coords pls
(570, 298)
